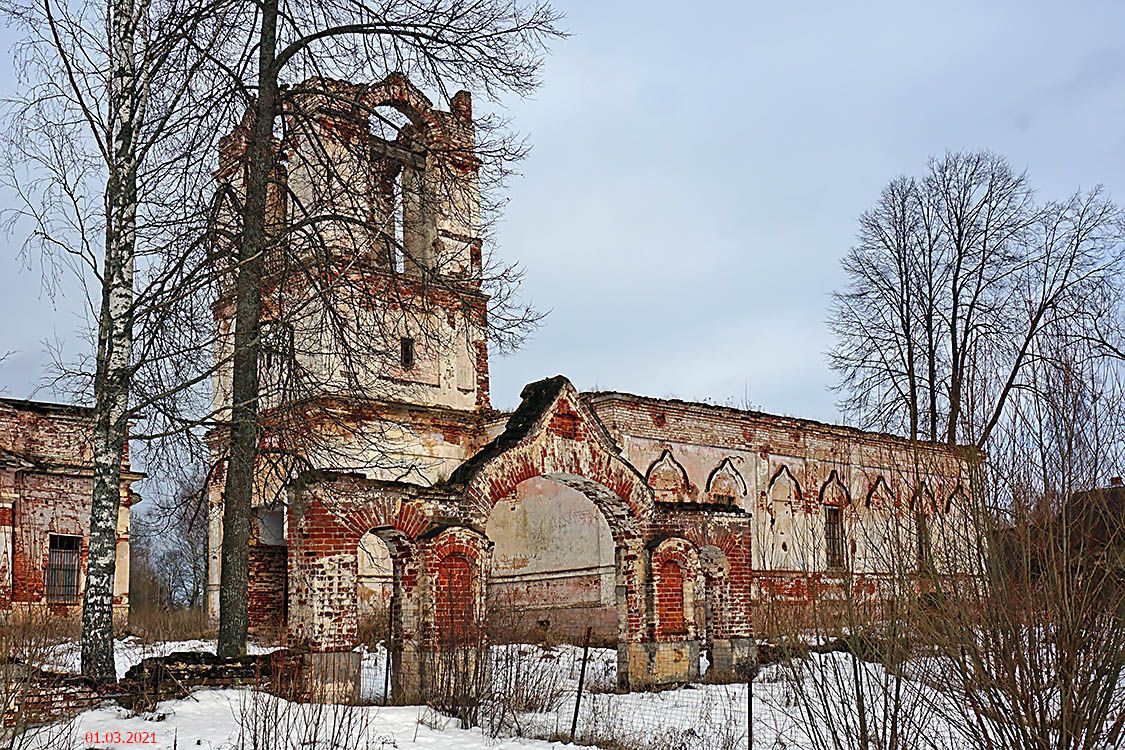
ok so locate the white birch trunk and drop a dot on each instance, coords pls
(115, 343)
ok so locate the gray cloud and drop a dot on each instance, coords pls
(697, 173)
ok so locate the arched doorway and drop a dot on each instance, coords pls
(375, 588)
(554, 436)
(374, 583)
(386, 595)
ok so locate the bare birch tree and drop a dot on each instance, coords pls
(100, 148)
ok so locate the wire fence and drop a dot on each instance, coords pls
(567, 693)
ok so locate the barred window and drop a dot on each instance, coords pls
(834, 536)
(63, 557)
(922, 537)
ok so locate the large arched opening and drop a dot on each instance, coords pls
(613, 520)
(553, 572)
(554, 437)
(386, 564)
(374, 584)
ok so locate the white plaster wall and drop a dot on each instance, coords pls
(553, 547)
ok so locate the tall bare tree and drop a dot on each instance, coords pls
(955, 279)
(976, 314)
(175, 550)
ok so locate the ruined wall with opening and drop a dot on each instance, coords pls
(553, 567)
(689, 566)
(45, 485)
(820, 499)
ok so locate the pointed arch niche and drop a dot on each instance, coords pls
(668, 479)
(725, 486)
(784, 488)
(778, 540)
(880, 497)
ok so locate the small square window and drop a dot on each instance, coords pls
(406, 353)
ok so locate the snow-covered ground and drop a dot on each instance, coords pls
(235, 719)
(695, 717)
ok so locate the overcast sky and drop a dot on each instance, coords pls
(698, 169)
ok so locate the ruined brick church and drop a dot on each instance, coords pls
(663, 525)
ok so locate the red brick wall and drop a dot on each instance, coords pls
(47, 504)
(670, 599)
(57, 435)
(51, 491)
(454, 597)
(456, 560)
(326, 521)
(267, 592)
(718, 544)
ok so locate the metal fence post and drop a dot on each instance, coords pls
(390, 645)
(581, 682)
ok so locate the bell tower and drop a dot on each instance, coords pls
(373, 347)
(373, 285)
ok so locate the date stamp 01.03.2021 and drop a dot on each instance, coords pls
(118, 739)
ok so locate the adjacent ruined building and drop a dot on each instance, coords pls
(46, 480)
(389, 484)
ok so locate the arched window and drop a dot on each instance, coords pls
(880, 496)
(387, 213)
(375, 575)
(782, 525)
(878, 530)
(834, 499)
(923, 506)
(402, 192)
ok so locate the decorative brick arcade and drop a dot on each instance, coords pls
(441, 554)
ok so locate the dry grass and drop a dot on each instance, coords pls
(373, 624)
(30, 639)
(269, 722)
(158, 624)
